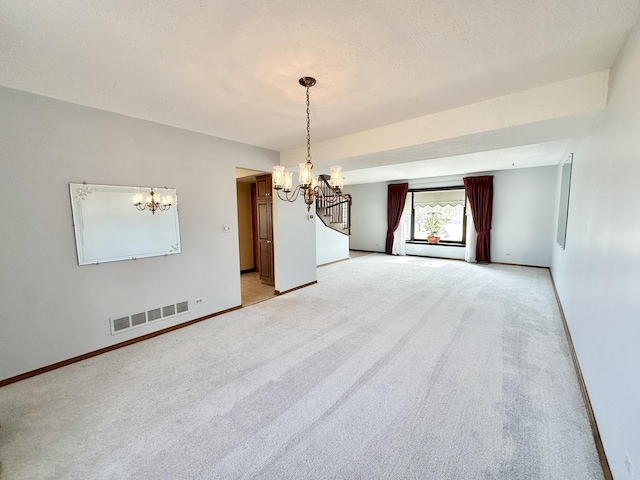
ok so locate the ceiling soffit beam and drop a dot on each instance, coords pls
(553, 130)
(569, 98)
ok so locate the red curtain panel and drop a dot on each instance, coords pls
(396, 196)
(480, 194)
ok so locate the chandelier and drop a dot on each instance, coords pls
(153, 202)
(310, 186)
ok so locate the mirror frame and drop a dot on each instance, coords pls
(108, 227)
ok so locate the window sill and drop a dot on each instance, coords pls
(439, 244)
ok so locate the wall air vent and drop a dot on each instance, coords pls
(182, 307)
(123, 323)
(138, 319)
(154, 314)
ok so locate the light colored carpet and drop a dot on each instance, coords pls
(388, 368)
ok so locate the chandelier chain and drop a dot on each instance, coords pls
(308, 129)
(321, 189)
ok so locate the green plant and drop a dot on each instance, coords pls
(433, 225)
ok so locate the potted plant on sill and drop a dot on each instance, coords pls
(434, 227)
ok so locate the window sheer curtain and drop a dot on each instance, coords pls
(472, 238)
(396, 196)
(399, 246)
(480, 194)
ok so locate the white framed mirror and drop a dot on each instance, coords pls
(109, 227)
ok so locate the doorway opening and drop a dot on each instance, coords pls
(255, 236)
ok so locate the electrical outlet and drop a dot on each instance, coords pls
(198, 301)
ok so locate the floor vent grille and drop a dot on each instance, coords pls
(123, 323)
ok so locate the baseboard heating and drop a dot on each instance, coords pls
(123, 323)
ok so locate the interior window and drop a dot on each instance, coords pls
(448, 204)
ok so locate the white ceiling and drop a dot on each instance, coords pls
(230, 68)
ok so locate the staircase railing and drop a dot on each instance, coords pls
(334, 209)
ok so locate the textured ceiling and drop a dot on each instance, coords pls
(230, 68)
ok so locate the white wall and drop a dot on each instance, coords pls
(598, 274)
(368, 216)
(51, 309)
(441, 251)
(523, 216)
(294, 244)
(331, 246)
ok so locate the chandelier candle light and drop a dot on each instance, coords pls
(153, 202)
(308, 184)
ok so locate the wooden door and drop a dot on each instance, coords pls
(254, 227)
(265, 229)
(263, 184)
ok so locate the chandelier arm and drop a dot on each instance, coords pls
(290, 196)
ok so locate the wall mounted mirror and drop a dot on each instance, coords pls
(108, 226)
(565, 190)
